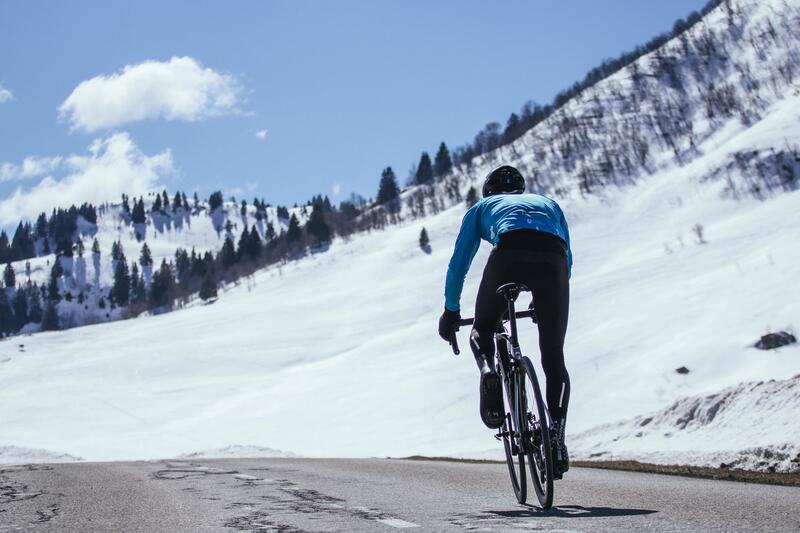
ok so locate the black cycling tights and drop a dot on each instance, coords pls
(537, 260)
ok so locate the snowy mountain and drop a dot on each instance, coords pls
(114, 235)
(678, 175)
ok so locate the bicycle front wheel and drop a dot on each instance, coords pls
(537, 437)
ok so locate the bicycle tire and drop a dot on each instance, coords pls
(516, 471)
(538, 445)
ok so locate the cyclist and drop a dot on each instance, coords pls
(531, 247)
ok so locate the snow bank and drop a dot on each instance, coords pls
(237, 451)
(17, 455)
(751, 426)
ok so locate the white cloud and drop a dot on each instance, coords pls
(31, 167)
(337, 189)
(114, 165)
(239, 191)
(178, 89)
(262, 134)
(5, 94)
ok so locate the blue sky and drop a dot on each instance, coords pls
(342, 88)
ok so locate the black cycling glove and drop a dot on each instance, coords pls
(448, 322)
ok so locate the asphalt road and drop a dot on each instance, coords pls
(292, 495)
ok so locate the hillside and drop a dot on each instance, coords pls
(727, 428)
(337, 354)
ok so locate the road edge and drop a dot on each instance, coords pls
(717, 474)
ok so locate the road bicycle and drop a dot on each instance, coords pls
(526, 430)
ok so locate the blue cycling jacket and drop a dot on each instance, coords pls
(492, 216)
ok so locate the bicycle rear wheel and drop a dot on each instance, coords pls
(537, 437)
(516, 469)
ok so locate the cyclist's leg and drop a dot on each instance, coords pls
(550, 284)
(489, 308)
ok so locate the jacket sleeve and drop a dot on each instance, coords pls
(467, 243)
(565, 227)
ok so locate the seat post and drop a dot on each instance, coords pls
(510, 292)
(513, 321)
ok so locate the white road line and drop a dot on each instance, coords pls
(396, 522)
(245, 477)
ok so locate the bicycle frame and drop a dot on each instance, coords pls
(510, 355)
(503, 341)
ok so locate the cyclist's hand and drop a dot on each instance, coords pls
(534, 319)
(448, 323)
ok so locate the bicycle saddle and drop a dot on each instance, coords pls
(510, 291)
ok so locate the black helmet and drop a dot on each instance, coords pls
(505, 179)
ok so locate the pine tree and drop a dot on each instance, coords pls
(64, 247)
(138, 215)
(96, 247)
(472, 197)
(244, 240)
(254, 245)
(424, 170)
(424, 241)
(177, 202)
(138, 291)
(443, 164)
(208, 289)
(6, 315)
(50, 320)
(120, 291)
(162, 289)
(293, 234)
(20, 305)
(9, 276)
(145, 257)
(228, 253)
(165, 201)
(215, 200)
(41, 226)
(243, 209)
(5, 249)
(513, 129)
(156, 204)
(116, 251)
(198, 266)
(53, 294)
(316, 225)
(387, 189)
(35, 313)
(183, 266)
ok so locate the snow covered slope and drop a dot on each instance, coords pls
(337, 354)
(751, 426)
